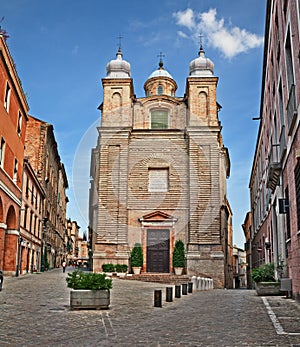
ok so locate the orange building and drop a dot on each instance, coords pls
(13, 119)
(33, 195)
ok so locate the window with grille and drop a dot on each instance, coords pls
(160, 90)
(159, 120)
(158, 180)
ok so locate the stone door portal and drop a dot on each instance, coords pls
(158, 250)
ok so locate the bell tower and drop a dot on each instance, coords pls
(208, 168)
(201, 92)
(118, 93)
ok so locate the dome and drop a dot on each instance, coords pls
(201, 66)
(160, 72)
(160, 82)
(118, 68)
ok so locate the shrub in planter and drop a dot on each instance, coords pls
(108, 267)
(136, 257)
(89, 290)
(265, 282)
(88, 280)
(264, 273)
(121, 268)
(178, 255)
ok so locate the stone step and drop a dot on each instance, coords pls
(159, 278)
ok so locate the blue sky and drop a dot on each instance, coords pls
(61, 48)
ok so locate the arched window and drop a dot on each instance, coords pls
(116, 100)
(160, 90)
(159, 119)
(203, 104)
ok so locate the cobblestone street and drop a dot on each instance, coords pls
(34, 311)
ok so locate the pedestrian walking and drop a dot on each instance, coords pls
(64, 264)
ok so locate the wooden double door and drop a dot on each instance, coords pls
(158, 250)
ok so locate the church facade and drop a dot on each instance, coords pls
(158, 172)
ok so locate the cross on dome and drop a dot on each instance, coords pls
(161, 64)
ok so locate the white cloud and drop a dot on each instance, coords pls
(230, 40)
(182, 34)
(185, 18)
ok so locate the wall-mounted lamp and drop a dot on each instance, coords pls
(267, 245)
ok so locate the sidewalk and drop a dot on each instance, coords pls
(34, 311)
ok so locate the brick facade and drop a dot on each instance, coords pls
(13, 119)
(41, 150)
(187, 148)
(274, 189)
(31, 222)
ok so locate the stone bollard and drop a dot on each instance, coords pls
(198, 283)
(201, 283)
(169, 294)
(190, 287)
(194, 281)
(177, 291)
(157, 298)
(184, 288)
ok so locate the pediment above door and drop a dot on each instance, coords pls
(158, 217)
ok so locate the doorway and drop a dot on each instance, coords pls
(158, 250)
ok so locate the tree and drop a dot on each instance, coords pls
(136, 255)
(178, 254)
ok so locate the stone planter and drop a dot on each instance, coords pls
(136, 270)
(267, 288)
(178, 270)
(89, 299)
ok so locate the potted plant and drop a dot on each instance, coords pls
(109, 269)
(136, 258)
(89, 290)
(265, 282)
(178, 257)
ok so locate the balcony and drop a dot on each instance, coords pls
(274, 168)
